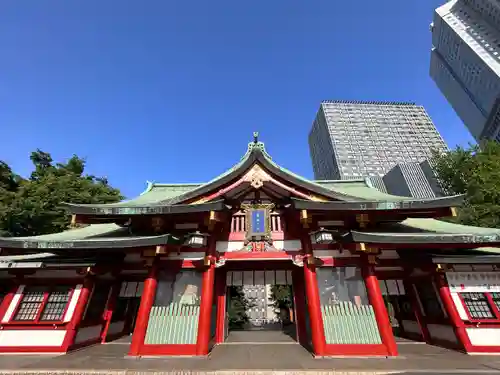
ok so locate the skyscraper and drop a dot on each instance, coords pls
(355, 139)
(465, 62)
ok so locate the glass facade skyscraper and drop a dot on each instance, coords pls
(465, 62)
(356, 139)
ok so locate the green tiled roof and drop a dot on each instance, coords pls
(439, 226)
(96, 236)
(174, 194)
(91, 231)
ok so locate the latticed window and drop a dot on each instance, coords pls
(41, 303)
(56, 304)
(477, 305)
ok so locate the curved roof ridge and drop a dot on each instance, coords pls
(341, 181)
(161, 184)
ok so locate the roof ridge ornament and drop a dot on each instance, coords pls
(256, 144)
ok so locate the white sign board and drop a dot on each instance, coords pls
(473, 281)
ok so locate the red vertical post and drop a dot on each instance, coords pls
(300, 306)
(220, 289)
(207, 298)
(451, 311)
(147, 300)
(110, 307)
(377, 301)
(313, 300)
(80, 308)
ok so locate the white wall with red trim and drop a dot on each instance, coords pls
(483, 333)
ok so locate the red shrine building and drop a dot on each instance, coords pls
(366, 268)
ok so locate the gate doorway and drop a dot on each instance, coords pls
(260, 306)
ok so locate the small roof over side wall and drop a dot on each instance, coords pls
(95, 236)
(427, 231)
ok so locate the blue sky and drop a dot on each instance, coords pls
(171, 91)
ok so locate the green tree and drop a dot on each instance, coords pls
(238, 307)
(475, 172)
(33, 206)
(281, 298)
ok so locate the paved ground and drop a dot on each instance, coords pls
(240, 357)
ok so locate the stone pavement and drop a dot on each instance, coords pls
(251, 358)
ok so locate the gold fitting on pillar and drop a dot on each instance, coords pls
(372, 259)
(305, 219)
(363, 220)
(453, 211)
(73, 221)
(208, 260)
(213, 218)
(157, 223)
(161, 249)
(440, 268)
(361, 246)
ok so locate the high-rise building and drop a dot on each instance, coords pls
(355, 139)
(465, 62)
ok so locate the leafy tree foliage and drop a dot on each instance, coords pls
(282, 300)
(238, 308)
(475, 172)
(32, 206)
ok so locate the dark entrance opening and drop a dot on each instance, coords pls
(260, 304)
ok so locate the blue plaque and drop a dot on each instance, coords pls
(258, 221)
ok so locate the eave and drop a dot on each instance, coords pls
(471, 240)
(410, 204)
(157, 209)
(91, 243)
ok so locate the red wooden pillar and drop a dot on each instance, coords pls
(110, 307)
(207, 298)
(220, 290)
(313, 301)
(451, 311)
(377, 301)
(300, 306)
(80, 308)
(147, 300)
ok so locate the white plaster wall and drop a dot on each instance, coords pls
(116, 327)
(223, 246)
(484, 336)
(13, 304)
(32, 337)
(72, 304)
(88, 333)
(442, 332)
(411, 326)
(290, 245)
